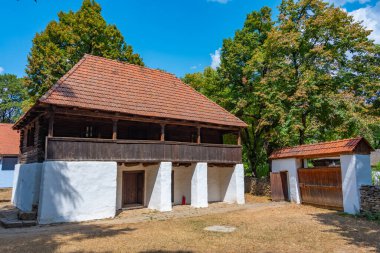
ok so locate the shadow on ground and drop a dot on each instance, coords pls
(357, 231)
(165, 251)
(52, 238)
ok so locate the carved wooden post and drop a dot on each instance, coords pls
(239, 138)
(162, 137)
(114, 130)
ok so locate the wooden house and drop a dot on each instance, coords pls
(111, 135)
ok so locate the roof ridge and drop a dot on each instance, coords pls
(177, 78)
(130, 64)
(321, 143)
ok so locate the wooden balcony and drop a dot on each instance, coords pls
(84, 149)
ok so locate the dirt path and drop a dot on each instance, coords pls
(261, 227)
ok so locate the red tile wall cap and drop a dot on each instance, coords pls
(324, 149)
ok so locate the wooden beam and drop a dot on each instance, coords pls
(239, 138)
(114, 129)
(199, 135)
(51, 124)
(162, 137)
(88, 113)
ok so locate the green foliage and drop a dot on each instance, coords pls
(12, 95)
(371, 216)
(377, 167)
(312, 75)
(64, 42)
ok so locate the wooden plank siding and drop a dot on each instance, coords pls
(84, 149)
(321, 186)
(279, 186)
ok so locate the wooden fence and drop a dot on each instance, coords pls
(321, 186)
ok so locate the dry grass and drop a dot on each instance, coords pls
(268, 228)
(5, 194)
(249, 198)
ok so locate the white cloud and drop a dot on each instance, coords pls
(1, 70)
(196, 66)
(219, 1)
(215, 59)
(343, 2)
(370, 17)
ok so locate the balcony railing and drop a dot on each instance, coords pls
(84, 149)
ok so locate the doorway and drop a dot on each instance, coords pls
(279, 186)
(133, 189)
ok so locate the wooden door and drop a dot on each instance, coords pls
(133, 188)
(279, 186)
(321, 186)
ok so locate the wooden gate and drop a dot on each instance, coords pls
(321, 186)
(279, 186)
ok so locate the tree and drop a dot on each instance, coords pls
(324, 63)
(313, 75)
(244, 63)
(12, 94)
(207, 83)
(64, 42)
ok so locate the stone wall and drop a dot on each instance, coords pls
(257, 186)
(370, 199)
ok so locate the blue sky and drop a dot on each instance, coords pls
(179, 36)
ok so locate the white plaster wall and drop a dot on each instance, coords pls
(159, 194)
(199, 196)
(182, 183)
(232, 184)
(356, 171)
(214, 184)
(26, 185)
(290, 165)
(6, 178)
(77, 191)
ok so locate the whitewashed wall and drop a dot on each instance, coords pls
(6, 178)
(26, 185)
(226, 184)
(214, 183)
(232, 184)
(290, 165)
(356, 171)
(182, 183)
(77, 191)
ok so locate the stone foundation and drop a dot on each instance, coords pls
(257, 186)
(370, 199)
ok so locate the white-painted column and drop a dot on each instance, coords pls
(235, 188)
(160, 195)
(199, 196)
(356, 171)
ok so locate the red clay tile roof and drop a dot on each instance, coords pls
(9, 140)
(324, 149)
(102, 84)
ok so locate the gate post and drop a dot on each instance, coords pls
(355, 173)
